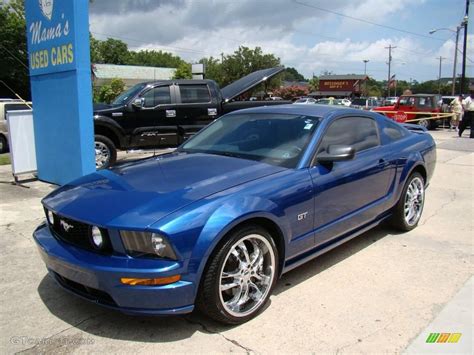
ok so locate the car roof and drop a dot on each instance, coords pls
(308, 110)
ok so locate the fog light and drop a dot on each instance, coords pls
(50, 216)
(150, 282)
(97, 238)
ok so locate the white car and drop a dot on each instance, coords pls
(346, 102)
(305, 101)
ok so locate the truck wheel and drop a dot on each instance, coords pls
(3, 144)
(427, 123)
(105, 152)
(407, 211)
(240, 276)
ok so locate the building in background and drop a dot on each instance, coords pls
(340, 86)
(129, 74)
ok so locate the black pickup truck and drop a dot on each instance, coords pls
(167, 112)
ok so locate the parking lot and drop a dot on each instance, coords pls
(374, 294)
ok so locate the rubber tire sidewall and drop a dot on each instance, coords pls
(5, 144)
(398, 218)
(208, 298)
(113, 151)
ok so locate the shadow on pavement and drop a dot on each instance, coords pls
(93, 319)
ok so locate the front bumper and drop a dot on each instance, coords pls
(97, 278)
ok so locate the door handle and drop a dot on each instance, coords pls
(170, 113)
(383, 163)
(212, 112)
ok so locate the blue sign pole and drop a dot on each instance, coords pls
(61, 89)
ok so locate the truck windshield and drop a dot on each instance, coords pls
(127, 94)
(278, 139)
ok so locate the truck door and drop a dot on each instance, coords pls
(155, 121)
(196, 107)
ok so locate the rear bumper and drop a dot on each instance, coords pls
(96, 278)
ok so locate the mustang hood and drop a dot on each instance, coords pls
(136, 195)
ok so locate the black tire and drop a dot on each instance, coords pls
(398, 220)
(209, 294)
(105, 142)
(428, 123)
(3, 144)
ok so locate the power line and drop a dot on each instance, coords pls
(15, 57)
(367, 21)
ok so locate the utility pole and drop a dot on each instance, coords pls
(439, 74)
(365, 74)
(464, 48)
(453, 88)
(390, 47)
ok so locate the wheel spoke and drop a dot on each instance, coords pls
(257, 294)
(244, 250)
(226, 287)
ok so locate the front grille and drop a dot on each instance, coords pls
(85, 291)
(79, 234)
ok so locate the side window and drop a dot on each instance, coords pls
(159, 95)
(191, 94)
(359, 132)
(393, 131)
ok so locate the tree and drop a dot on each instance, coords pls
(14, 58)
(183, 71)
(154, 58)
(314, 83)
(213, 68)
(291, 74)
(113, 51)
(245, 61)
(291, 92)
(108, 92)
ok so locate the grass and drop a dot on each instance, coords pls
(5, 159)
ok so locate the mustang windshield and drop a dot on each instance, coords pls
(278, 139)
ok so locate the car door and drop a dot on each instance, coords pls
(196, 108)
(155, 121)
(349, 194)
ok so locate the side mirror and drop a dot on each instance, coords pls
(139, 102)
(337, 153)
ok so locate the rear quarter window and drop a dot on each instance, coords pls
(393, 131)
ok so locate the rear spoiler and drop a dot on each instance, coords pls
(414, 127)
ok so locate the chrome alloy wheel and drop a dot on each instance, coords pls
(414, 200)
(246, 275)
(102, 154)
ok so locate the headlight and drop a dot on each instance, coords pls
(50, 217)
(96, 237)
(146, 244)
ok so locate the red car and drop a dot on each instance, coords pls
(412, 108)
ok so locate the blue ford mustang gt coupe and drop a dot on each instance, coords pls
(215, 223)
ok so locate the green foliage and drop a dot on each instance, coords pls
(213, 69)
(113, 51)
(154, 58)
(291, 74)
(314, 83)
(291, 92)
(245, 61)
(14, 58)
(108, 92)
(183, 71)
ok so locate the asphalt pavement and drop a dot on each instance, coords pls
(382, 292)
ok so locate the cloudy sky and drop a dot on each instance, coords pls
(310, 35)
